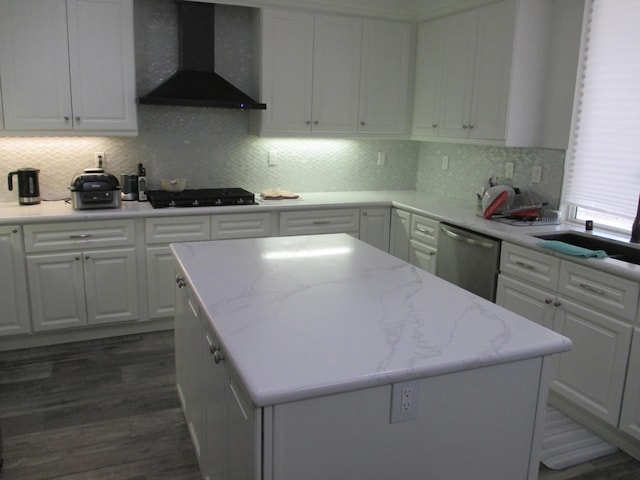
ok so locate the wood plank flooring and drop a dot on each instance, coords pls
(108, 409)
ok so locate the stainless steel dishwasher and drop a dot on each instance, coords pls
(468, 259)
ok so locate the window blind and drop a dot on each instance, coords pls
(602, 171)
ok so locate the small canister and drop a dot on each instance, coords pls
(129, 184)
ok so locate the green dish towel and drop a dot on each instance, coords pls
(569, 249)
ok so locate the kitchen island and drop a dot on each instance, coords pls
(322, 357)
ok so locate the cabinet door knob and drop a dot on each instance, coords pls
(434, 125)
(315, 122)
(15, 230)
(180, 281)
(362, 123)
(87, 257)
(557, 304)
(77, 119)
(66, 119)
(308, 122)
(548, 301)
(465, 126)
(470, 127)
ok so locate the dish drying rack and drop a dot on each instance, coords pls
(526, 209)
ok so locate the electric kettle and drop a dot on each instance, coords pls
(28, 185)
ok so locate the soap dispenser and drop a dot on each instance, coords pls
(142, 183)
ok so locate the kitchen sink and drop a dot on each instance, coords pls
(615, 249)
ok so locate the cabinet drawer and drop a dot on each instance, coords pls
(609, 293)
(320, 221)
(527, 264)
(241, 225)
(424, 229)
(75, 235)
(177, 229)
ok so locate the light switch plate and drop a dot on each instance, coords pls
(508, 170)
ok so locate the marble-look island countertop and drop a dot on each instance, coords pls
(305, 316)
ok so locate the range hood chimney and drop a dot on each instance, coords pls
(196, 84)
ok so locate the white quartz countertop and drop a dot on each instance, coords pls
(461, 214)
(305, 316)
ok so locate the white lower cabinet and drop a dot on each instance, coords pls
(375, 227)
(82, 273)
(414, 238)
(400, 231)
(630, 415)
(83, 288)
(423, 246)
(594, 309)
(159, 233)
(223, 423)
(314, 222)
(13, 283)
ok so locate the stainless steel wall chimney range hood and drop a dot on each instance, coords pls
(196, 84)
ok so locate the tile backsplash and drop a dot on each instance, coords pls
(212, 148)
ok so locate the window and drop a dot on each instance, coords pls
(602, 172)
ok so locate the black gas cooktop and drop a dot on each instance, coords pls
(202, 197)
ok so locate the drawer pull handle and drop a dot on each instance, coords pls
(592, 289)
(423, 230)
(322, 222)
(525, 265)
(80, 236)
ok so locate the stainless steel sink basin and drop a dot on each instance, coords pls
(615, 249)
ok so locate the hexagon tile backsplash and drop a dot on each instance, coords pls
(213, 148)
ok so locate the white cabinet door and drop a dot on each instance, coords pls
(287, 71)
(375, 226)
(111, 285)
(492, 72)
(531, 302)
(101, 51)
(68, 65)
(387, 53)
(400, 228)
(83, 288)
(457, 85)
(422, 256)
(13, 283)
(592, 374)
(34, 64)
(429, 66)
(160, 281)
(630, 415)
(56, 288)
(336, 74)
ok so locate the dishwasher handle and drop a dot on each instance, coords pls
(460, 237)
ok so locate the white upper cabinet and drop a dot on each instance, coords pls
(67, 66)
(334, 75)
(387, 54)
(429, 64)
(482, 76)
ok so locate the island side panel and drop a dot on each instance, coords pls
(472, 424)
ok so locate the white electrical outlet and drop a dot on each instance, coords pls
(405, 401)
(445, 162)
(101, 159)
(508, 170)
(382, 158)
(273, 158)
(536, 174)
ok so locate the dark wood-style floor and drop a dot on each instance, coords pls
(108, 409)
